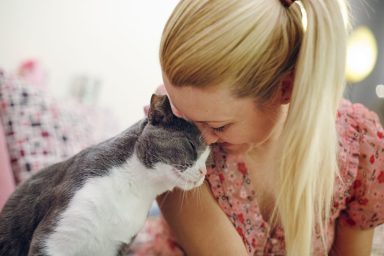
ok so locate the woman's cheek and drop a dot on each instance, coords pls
(234, 135)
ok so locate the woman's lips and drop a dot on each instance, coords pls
(226, 144)
(235, 148)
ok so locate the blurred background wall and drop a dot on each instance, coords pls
(366, 62)
(111, 47)
(110, 43)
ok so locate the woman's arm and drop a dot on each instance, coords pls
(198, 223)
(352, 242)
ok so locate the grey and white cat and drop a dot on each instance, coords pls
(94, 202)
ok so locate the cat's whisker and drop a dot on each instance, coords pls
(179, 180)
(181, 201)
(163, 199)
(183, 196)
(201, 139)
(197, 195)
(108, 189)
(200, 194)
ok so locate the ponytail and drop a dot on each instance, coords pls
(251, 45)
(308, 166)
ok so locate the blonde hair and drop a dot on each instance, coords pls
(252, 45)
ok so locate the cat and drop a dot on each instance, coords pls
(97, 200)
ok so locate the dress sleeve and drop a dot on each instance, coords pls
(155, 239)
(365, 203)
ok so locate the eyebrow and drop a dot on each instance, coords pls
(213, 122)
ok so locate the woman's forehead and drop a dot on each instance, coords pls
(204, 105)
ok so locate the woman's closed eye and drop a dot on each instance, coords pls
(204, 126)
(219, 129)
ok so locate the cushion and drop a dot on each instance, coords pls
(7, 183)
(40, 130)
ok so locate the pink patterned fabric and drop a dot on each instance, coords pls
(358, 197)
(7, 183)
(39, 130)
(155, 239)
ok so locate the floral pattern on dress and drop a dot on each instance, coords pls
(358, 197)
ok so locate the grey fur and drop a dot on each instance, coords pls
(162, 137)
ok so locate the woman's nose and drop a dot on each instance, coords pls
(209, 136)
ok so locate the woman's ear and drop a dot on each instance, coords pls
(286, 88)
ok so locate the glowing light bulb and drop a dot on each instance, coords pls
(361, 54)
(380, 91)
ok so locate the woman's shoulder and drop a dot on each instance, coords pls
(360, 131)
(361, 138)
(356, 118)
(361, 159)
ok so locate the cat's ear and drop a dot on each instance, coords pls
(160, 111)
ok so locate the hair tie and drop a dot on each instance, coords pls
(287, 3)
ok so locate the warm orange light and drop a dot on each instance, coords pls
(361, 54)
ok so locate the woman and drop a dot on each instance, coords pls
(296, 170)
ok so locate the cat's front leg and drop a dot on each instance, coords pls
(39, 244)
(52, 240)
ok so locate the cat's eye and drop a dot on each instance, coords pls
(193, 146)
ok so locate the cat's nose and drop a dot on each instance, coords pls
(203, 170)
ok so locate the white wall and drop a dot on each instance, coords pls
(115, 40)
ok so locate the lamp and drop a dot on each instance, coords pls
(361, 54)
(380, 91)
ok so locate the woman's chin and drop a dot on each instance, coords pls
(236, 149)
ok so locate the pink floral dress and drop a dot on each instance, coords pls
(358, 197)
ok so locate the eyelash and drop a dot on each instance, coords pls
(219, 129)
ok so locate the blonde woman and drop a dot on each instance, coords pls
(296, 170)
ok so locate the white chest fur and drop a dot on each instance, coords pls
(104, 213)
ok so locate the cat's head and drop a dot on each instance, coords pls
(172, 147)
